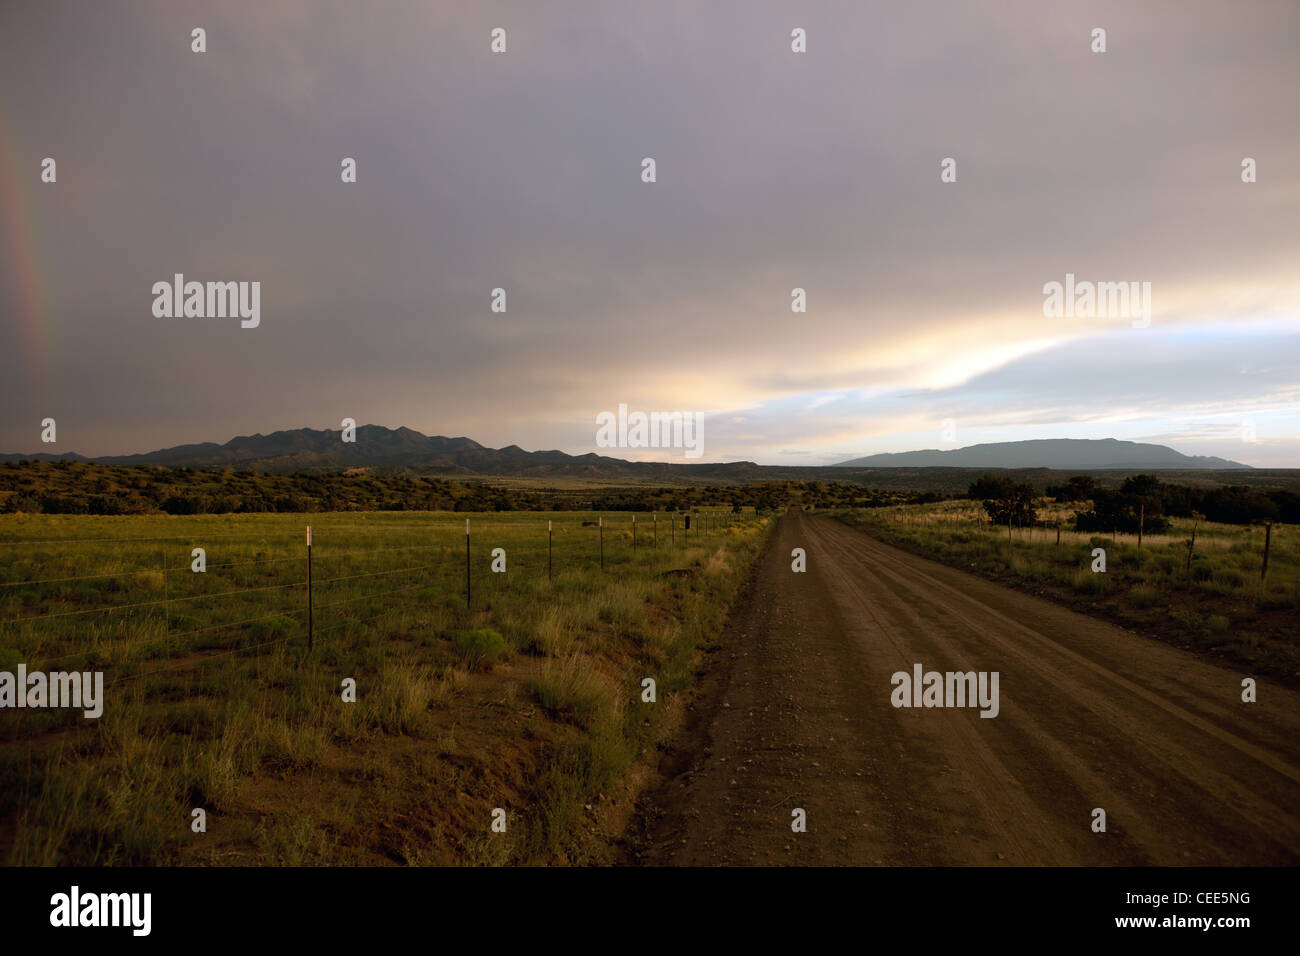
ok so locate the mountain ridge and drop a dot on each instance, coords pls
(376, 446)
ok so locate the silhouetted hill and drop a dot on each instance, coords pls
(389, 450)
(1057, 453)
(323, 450)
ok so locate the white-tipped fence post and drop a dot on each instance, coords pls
(311, 624)
(550, 575)
(467, 581)
(167, 618)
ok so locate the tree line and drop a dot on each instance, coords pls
(85, 488)
(1142, 501)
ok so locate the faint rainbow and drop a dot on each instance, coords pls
(29, 319)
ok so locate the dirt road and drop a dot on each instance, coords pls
(797, 714)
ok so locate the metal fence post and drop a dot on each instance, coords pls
(311, 623)
(167, 618)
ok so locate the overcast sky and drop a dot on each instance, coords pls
(775, 170)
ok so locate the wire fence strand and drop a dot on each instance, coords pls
(527, 558)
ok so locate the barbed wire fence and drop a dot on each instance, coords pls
(490, 569)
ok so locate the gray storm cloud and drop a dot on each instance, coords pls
(521, 171)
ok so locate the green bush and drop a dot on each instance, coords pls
(481, 649)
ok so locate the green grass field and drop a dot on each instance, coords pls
(528, 700)
(1217, 605)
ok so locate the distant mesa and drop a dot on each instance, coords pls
(1091, 454)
